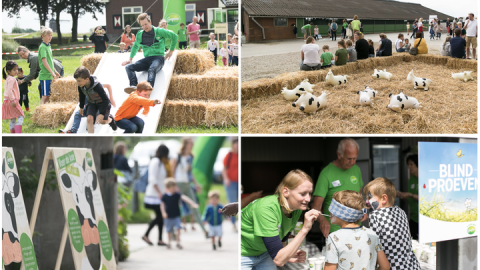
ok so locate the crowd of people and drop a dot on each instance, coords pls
(353, 46)
(340, 204)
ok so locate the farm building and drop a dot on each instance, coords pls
(120, 13)
(272, 20)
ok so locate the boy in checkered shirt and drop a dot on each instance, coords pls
(390, 223)
(353, 246)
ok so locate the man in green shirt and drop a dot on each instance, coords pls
(305, 28)
(412, 194)
(152, 41)
(341, 174)
(182, 37)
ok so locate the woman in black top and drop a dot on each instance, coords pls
(99, 38)
(361, 46)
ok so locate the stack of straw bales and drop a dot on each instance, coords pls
(193, 61)
(177, 113)
(90, 61)
(53, 114)
(64, 90)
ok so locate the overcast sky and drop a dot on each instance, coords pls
(27, 17)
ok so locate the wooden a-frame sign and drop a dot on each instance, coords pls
(17, 247)
(86, 222)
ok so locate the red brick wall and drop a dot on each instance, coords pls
(254, 32)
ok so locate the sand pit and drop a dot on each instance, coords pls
(449, 107)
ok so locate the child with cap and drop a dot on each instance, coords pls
(353, 246)
(390, 223)
(213, 215)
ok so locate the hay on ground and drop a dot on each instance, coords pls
(64, 90)
(463, 64)
(90, 61)
(178, 113)
(193, 61)
(53, 114)
(449, 107)
(218, 83)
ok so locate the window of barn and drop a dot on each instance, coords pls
(130, 15)
(280, 22)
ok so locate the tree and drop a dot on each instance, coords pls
(57, 7)
(77, 8)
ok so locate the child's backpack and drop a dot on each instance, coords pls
(334, 26)
(141, 184)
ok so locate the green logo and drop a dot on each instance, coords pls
(89, 159)
(10, 160)
(471, 229)
(65, 160)
(173, 19)
(353, 179)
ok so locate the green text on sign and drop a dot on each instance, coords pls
(75, 230)
(65, 160)
(10, 160)
(105, 241)
(28, 253)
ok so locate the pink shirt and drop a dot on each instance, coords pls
(11, 89)
(192, 28)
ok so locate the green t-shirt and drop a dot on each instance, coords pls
(264, 218)
(333, 179)
(306, 26)
(356, 25)
(342, 57)
(182, 35)
(345, 25)
(326, 58)
(45, 51)
(413, 188)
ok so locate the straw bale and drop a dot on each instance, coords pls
(463, 64)
(260, 88)
(432, 59)
(449, 107)
(90, 61)
(193, 61)
(53, 114)
(218, 83)
(221, 113)
(64, 90)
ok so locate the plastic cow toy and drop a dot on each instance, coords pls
(418, 82)
(402, 101)
(309, 103)
(367, 96)
(297, 91)
(335, 80)
(382, 74)
(464, 76)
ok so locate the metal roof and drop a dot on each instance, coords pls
(365, 9)
(230, 2)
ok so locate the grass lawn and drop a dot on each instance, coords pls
(71, 61)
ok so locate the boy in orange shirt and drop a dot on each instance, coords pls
(126, 116)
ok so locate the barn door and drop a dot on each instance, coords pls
(300, 24)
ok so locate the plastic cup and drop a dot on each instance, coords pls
(431, 258)
(418, 252)
(319, 264)
(311, 262)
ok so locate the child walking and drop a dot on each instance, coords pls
(47, 69)
(315, 32)
(341, 55)
(224, 53)
(126, 116)
(11, 108)
(390, 223)
(23, 90)
(234, 51)
(212, 45)
(353, 246)
(213, 215)
(171, 210)
(98, 104)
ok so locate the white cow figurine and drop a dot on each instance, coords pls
(464, 76)
(418, 82)
(401, 101)
(297, 91)
(382, 74)
(309, 103)
(335, 80)
(367, 96)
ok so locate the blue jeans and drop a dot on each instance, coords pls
(234, 60)
(232, 194)
(261, 262)
(229, 59)
(152, 64)
(401, 50)
(132, 125)
(77, 119)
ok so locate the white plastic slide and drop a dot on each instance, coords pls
(110, 71)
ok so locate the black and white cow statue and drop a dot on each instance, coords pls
(309, 103)
(382, 74)
(11, 249)
(367, 96)
(295, 93)
(401, 101)
(82, 187)
(335, 80)
(418, 82)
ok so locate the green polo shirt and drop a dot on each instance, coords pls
(182, 35)
(333, 179)
(264, 218)
(306, 26)
(413, 188)
(45, 51)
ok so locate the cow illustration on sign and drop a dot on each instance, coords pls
(11, 250)
(82, 184)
